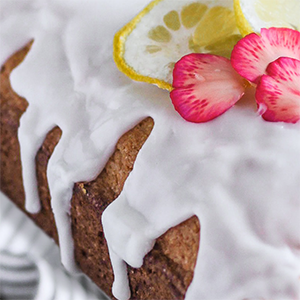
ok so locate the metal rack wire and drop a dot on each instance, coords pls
(30, 265)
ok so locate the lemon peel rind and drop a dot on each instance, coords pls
(241, 22)
(118, 50)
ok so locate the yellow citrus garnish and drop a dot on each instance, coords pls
(147, 48)
(253, 15)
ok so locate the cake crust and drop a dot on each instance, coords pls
(167, 270)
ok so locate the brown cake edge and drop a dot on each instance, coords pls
(167, 270)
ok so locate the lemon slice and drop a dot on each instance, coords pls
(147, 48)
(253, 15)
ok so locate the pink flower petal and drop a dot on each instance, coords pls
(205, 86)
(252, 54)
(279, 91)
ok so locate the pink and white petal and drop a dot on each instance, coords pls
(205, 102)
(205, 87)
(198, 67)
(285, 69)
(252, 54)
(279, 91)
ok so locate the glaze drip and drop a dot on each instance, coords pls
(238, 174)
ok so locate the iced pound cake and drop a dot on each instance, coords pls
(188, 194)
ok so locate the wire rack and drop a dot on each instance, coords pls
(30, 265)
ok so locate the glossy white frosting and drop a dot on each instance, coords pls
(238, 174)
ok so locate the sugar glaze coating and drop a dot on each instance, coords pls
(238, 174)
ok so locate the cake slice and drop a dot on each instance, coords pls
(168, 268)
(121, 182)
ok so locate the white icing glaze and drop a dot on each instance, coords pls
(238, 174)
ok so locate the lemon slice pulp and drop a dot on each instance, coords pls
(147, 48)
(254, 15)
